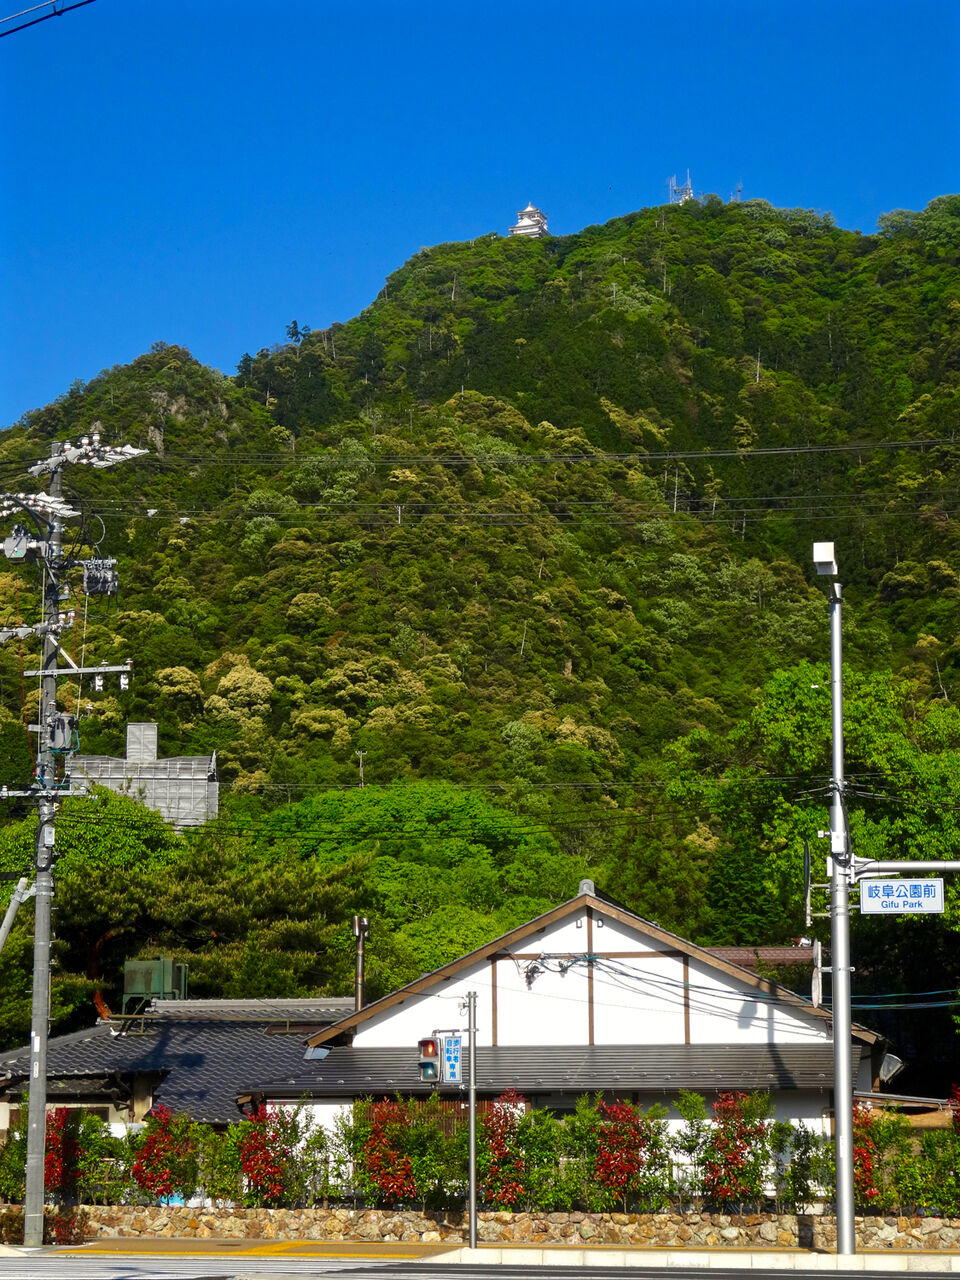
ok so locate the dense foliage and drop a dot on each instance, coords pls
(605, 1157)
(533, 529)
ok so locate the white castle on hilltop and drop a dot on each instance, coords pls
(531, 222)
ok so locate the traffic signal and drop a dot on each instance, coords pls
(428, 1052)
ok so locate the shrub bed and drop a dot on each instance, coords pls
(397, 1154)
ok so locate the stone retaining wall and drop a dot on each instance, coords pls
(693, 1230)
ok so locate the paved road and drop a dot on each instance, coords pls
(263, 1262)
(643, 1268)
(223, 1261)
(54, 1266)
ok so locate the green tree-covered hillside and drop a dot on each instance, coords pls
(531, 532)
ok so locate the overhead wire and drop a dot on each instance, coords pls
(57, 12)
(488, 457)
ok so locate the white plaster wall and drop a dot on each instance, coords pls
(610, 935)
(321, 1112)
(807, 1108)
(552, 1009)
(117, 1120)
(723, 1010)
(421, 1015)
(637, 994)
(642, 1003)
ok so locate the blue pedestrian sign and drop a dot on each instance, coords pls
(901, 897)
(452, 1067)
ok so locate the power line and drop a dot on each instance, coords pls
(56, 13)
(343, 461)
(509, 461)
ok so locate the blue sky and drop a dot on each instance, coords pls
(204, 171)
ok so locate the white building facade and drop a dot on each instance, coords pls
(589, 997)
(531, 222)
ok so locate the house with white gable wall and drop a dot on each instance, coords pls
(587, 997)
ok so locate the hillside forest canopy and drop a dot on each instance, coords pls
(528, 540)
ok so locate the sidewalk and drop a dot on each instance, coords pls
(244, 1252)
(734, 1259)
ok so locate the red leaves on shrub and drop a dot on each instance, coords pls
(728, 1173)
(389, 1171)
(60, 1158)
(865, 1189)
(503, 1183)
(265, 1152)
(622, 1150)
(153, 1168)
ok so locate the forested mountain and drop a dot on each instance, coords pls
(529, 540)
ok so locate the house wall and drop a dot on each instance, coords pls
(117, 1119)
(541, 991)
(810, 1108)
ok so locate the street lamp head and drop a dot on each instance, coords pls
(824, 559)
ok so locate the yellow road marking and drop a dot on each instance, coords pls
(313, 1249)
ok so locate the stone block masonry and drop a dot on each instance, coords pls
(626, 1230)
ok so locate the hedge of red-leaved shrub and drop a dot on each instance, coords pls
(605, 1155)
(60, 1226)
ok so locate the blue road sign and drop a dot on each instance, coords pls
(452, 1065)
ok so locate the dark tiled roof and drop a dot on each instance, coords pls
(350, 1072)
(203, 1064)
(749, 957)
(314, 1010)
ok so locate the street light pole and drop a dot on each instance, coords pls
(840, 881)
(840, 946)
(846, 871)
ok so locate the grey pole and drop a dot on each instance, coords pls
(361, 931)
(864, 867)
(37, 1105)
(46, 765)
(55, 736)
(472, 1086)
(20, 894)
(840, 945)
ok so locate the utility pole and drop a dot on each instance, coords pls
(56, 738)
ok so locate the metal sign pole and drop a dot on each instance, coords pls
(472, 1087)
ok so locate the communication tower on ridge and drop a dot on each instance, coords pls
(680, 193)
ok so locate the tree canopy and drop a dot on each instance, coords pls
(534, 551)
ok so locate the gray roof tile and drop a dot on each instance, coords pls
(348, 1071)
(204, 1062)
